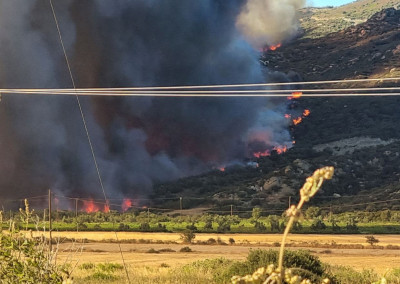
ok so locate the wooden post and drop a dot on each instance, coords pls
(231, 210)
(290, 201)
(50, 238)
(44, 220)
(76, 214)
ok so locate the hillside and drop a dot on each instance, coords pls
(359, 136)
(318, 22)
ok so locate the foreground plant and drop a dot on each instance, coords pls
(279, 275)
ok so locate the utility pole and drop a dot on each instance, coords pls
(290, 201)
(76, 214)
(50, 238)
(231, 210)
(180, 203)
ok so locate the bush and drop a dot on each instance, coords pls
(185, 249)
(318, 225)
(371, 240)
(301, 261)
(188, 236)
(144, 227)
(24, 260)
(152, 251)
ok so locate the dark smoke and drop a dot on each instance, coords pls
(138, 141)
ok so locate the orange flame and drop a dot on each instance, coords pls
(126, 204)
(90, 206)
(280, 149)
(275, 47)
(106, 208)
(222, 169)
(297, 120)
(266, 153)
(306, 112)
(295, 95)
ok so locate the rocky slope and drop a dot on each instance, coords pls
(359, 136)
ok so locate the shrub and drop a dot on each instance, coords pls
(144, 227)
(124, 227)
(110, 267)
(318, 224)
(166, 250)
(231, 241)
(188, 236)
(24, 260)
(185, 249)
(301, 261)
(152, 251)
(211, 241)
(164, 265)
(371, 240)
(87, 266)
(259, 226)
(99, 275)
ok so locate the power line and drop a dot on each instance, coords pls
(238, 93)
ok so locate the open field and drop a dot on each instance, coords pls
(136, 254)
(239, 238)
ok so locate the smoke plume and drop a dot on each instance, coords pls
(137, 141)
(269, 21)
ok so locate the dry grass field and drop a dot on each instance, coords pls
(100, 247)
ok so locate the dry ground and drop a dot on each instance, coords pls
(136, 254)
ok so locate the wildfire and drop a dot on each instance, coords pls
(275, 47)
(106, 208)
(222, 169)
(295, 95)
(271, 47)
(279, 149)
(297, 120)
(89, 206)
(266, 153)
(126, 204)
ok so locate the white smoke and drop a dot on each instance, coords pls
(269, 21)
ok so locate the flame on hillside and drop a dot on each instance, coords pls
(126, 204)
(266, 153)
(106, 208)
(90, 206)
(271, 47)
(295, 95)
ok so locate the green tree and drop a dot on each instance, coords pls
(188, 236)
(256, 213)
(371, 240)
(312, 212)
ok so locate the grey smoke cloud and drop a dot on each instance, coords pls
(138, 141)
(269, 21)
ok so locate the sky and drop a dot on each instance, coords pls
(323, 3)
